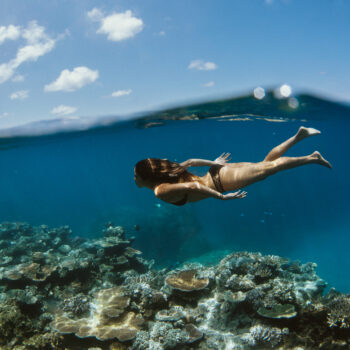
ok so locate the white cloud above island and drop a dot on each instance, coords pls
(63, 110)
(120, 93)
(202, 65)
(19, 95)
(10, 32)
(117, 26)
(38, 43)
(209, 84)
(73, 80)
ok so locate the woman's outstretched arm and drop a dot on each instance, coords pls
(203, 162)
(170, 192)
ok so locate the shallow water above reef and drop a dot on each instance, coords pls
(85, 178)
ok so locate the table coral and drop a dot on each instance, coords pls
(278, 311)
(108, 319)
(186, 281)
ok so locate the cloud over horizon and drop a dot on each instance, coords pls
(209, 84)
(10, 32)
(19, 95)
(38, 43)
(201, 65)
(18, 78)
(120, 93)
(117, 26)
(63, 110)
(72, 80)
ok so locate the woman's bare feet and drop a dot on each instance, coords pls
(320, 160)
(279, 150)
(306, 132)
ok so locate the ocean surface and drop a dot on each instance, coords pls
(65, 175)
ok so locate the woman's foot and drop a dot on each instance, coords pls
(306, 132)
(320, 160)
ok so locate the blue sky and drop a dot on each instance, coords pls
(70, 58)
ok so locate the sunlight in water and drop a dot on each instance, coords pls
(259, 93)
(285, 90)
(293, 103)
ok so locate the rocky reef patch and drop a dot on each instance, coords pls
(58, 291)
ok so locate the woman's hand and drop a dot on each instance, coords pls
(238, 194)
(223, 159)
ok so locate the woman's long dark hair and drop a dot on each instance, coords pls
(162, 171)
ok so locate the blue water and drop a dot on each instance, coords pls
(85, 179)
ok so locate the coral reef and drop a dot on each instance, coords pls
(46, 273)
(63, 292)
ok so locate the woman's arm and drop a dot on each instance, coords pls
(169, 191)
(203, 162)
(197, 162)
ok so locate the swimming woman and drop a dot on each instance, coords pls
(172, 183)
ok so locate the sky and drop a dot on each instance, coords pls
(76, 59)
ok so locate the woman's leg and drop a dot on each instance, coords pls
(279, 150)
(284, 163)
(238, 175)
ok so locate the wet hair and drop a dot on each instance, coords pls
(162, 171)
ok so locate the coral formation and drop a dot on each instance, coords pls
(186, 281)
(264, 336)
(64, 292)
(170, 315)
(108, 318)
(338, 311)
(278, 311)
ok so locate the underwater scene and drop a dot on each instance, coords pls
(91, 261)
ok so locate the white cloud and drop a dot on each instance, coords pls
(10, 32)
(4, 115)
(18, 78)
(6, 72)
(38, 44)
(117, 26)
(201, 65)
(63, 110)
(19, 95)
(95, 14)
(120, 93)
(162, 33)
(72, 80)
(209, 84)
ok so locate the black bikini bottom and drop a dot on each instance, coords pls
(214, 172)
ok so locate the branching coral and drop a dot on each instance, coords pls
(261, 335)
(338, 314)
